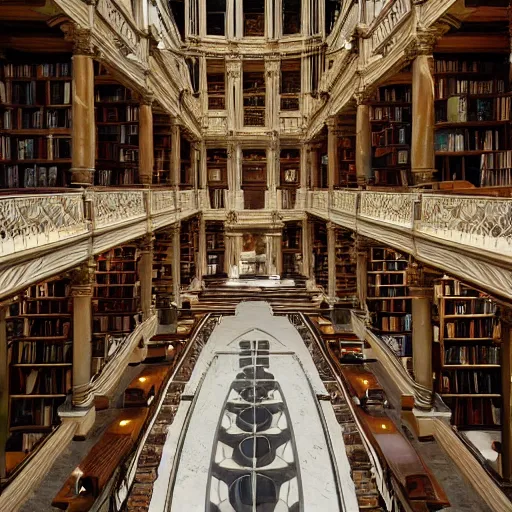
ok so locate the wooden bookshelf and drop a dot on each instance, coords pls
(189, 246)
(253, 18)
(40, 357)
(320, 258)
(254, 93)
(289, 176)
(346, 279)
(468, 365)
(35, 122)
(291, 248)
(116, 302)
(254, 178)
(217, 174)
(162, 145)
(186, 175)
(162, 266)
(388, 299)
(216, 84)
(347, 176)
(472, 110)
(117, 140)
(215, 248)
(290, 85)
(390, 118)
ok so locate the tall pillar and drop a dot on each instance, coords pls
(423, 120)
(201, 263)
(234, 95)
(146, 274)
(176, 269)
(331, 260)
(175, 154)
(146, 151)
(83, 131)
(81, 292)
(422, 334)
(361, 275)
(4, 392)
(332, 152)
(307, 250)
(363, 144)
(272, 174)
(506, 412)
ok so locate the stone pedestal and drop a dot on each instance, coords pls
(423, 120)
(84, 128)
(363, 145)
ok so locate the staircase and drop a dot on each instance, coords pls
(220, 296)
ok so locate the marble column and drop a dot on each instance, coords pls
(175, 155)
(83, 132)
(81, 291)
(4, 391)
(422, 337)
(272, 174)
(423, 120)
(331, 260)
(307, 250)
(506, 411)
(176, 269)
(146, 151)
(146, 274)
(201, 261)
(363, 144)
(332, 151)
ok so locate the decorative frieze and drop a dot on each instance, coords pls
(344, 201)
(117, 207)
(162, 201)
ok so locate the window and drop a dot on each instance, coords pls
(216, 83)
(254, 18)
(178, 13)
(193, 69)
(254, 93)
(290, 84)
(216, 17)
(291, 16)
(332, 11)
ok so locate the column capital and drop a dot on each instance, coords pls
(145, 243)
(83, 279)
(80, 37)
(147, 98)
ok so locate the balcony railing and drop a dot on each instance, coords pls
(115, 207)
(27, 222)
(397, 209)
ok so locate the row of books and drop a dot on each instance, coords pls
(36, 176)
(116, 152)
(452, 86)
(33, 412)
(396, 323)
(104, 177)
(25, 119)
(470, 307)
(47, 70)
(390, 156)
(378, 266)
(24, 352)
(116, 291)
(396, 114)
(454, 288)
(390, 136)
(386, 279)
(467, 140)
(116, 278)
(57, 288)
(471, 381)
(112, 94)
(474, 354)
(41, 327)
(125, 114)
(392, 306)
(501, 160)
(41, 381)
(467, 66)
(496, 177)
(474, 328)
(123, 134)
(45, 307)
(112, 323)
(35, 94)
(217, 198)
(392, 291)
(394, 94)
(113, 305)
(476, 412)
(40, 148)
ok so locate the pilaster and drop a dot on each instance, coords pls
(175, 155)
(363, 144)
(146, 151)
(234, 95)
(272, 173)
(272, 69)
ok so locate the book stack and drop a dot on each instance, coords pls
(291, 248)
(215, 248)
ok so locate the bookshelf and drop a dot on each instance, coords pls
(290, 84)
(320, 258)
(347, 177)
(189, 245)
(186, 176)
(254, 93)
(217, 171)
(253, 18)
(162, 144)
(254, 178)
(116, 302)
(472, 113)
(388, 299)
(162, 266)
(390, 119)
(117, 142)
(35, 122)
(40, 356)
(291, 248)
(289, 176)
(469, 362)
(215, 248)
(216, 84)
(346, 280)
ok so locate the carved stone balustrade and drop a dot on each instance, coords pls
(388, 207)
(162, 201)
(34, 221)
(187, 201)
(478, 222)
(319, 200)
(117, 207)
